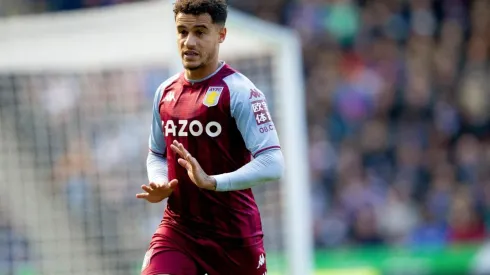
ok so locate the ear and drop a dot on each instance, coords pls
(222, 34)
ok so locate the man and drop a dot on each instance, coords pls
(208, 122)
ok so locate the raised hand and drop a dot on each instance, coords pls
(194, 170)
(157, 192)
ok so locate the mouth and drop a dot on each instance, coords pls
(190, 54)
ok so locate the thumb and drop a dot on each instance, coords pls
(172, 184)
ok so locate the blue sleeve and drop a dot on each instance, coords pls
(249, 108)
(157, 140)
(266, 167)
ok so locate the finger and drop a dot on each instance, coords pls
(153, 185)
(176, 150)
(172, 184)
(179, 146)
(142, 195)
(184, 163)
(144, 187)
(184, 151)
(193, 162)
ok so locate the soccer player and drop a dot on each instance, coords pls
(212, 139)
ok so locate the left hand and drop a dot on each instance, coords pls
(194, 170)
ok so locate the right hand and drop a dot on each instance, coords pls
(157, 192)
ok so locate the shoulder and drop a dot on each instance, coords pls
(165, 84)
(170, 81)
(242, 91)
(238, 84)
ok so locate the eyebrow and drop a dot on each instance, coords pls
(193, 27)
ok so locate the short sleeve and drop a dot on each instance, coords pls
(157, 140)
(249, 109)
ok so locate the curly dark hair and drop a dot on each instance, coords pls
(217, 9)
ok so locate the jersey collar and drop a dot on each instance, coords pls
(207, 77)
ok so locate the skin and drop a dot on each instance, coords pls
(198, 40)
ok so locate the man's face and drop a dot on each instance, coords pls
(198, 39)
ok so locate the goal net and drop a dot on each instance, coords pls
(75, 104)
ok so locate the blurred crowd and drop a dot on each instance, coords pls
(397, 113)
(398, 99)
(402, 148)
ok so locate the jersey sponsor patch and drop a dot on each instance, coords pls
(261, 113)
(184, 128)
(212, 96)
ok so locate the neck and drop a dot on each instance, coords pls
(202, 72)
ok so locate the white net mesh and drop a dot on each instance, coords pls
(73, 144)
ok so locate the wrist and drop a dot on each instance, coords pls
(212, 183)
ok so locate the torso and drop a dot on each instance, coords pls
(198, 116)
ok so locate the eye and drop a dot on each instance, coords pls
(199, 33)
(183, 32)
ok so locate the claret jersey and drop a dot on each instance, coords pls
(223, 121)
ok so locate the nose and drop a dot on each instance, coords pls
(190, 41)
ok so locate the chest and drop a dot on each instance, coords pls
(189, 102)
(195, 111)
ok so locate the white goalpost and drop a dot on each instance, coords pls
(79, 64)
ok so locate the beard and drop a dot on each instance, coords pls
(193, 67)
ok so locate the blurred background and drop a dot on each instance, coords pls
(397, 99)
